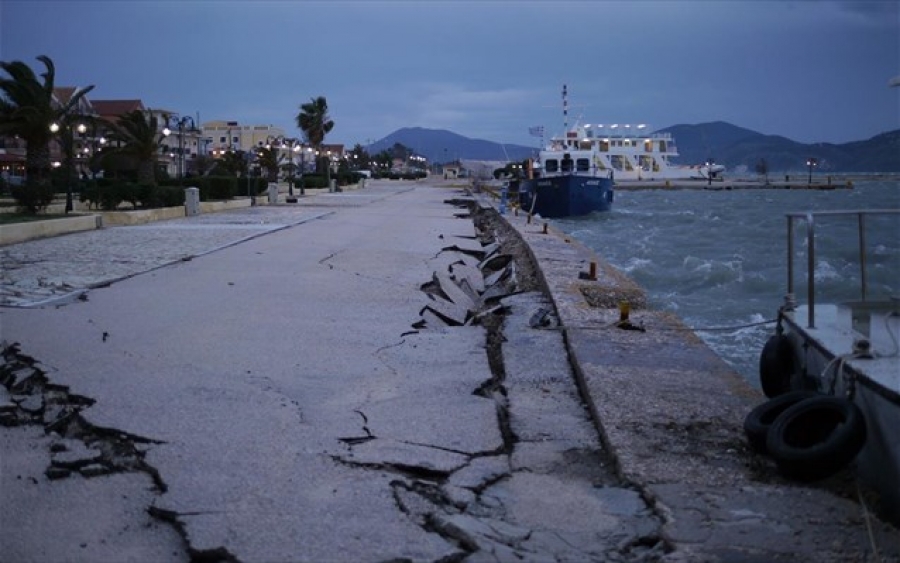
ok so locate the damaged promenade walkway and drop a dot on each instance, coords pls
(376, 375)
(366, 378)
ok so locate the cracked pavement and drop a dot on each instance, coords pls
(299, 396)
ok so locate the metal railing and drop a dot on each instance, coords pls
(811, 251)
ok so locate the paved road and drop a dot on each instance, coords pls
(272, 400)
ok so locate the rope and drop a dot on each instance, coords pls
(887, 327)
(867, 518)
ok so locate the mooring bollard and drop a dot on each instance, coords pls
(545, 228)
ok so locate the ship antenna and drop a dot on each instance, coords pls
(565, 97)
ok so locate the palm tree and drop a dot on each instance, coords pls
(28, 109)
(313, 120)
(139, 137)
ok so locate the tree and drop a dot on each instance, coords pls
(313, 120)
(360, 156)
(269, 159)
(234, 163)
(28, 109)
(202, 163)
(139, 137)
(384, 160)
(401, 151)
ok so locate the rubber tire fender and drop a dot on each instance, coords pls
(816, 437)
(760, 419)
(777, 365)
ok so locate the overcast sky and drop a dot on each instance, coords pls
(811, 71)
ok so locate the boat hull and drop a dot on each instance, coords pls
(566, 196)
(875, 392)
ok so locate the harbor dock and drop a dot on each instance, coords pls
(733, 184)
(395, 373)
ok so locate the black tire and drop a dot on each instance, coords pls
(760, 419)
(816, 437)
(777, 365)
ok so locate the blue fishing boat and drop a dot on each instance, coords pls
(566, 195)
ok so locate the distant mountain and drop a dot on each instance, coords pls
(696, 143)
(735, 146)
(727, 144)
(439, 145)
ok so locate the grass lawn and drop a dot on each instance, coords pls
(10, 218)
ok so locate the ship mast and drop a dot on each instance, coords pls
(565, 109)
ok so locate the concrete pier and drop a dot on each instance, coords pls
(362, 376)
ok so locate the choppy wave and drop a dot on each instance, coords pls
(717, 258)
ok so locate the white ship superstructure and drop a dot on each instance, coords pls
(623, 152)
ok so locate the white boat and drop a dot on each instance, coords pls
(846, 353)
(621, 152)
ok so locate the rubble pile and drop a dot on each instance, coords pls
(477, 276)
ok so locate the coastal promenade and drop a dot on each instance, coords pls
(287, 383)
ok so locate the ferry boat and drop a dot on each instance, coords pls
(623, 152)
(574, 174)
(832, 372)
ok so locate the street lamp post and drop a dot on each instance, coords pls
(248, 162)
(811, 163)
(291, 146)
(309, 151)
(68, 147)
(96, 145)
(180, 124)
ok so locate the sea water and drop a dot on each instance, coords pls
(717, 258)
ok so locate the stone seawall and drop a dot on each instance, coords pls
(671, 412)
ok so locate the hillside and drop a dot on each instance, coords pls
(439, 145)
(735, 146)
(728, 144)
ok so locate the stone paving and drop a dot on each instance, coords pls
(36, 272)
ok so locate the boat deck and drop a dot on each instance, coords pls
(834, 333)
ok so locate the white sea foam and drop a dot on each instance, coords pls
(718, 258)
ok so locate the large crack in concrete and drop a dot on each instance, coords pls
(28, 397)
(465, 498)
(79, 447)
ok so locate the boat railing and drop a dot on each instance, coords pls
(810, 218)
